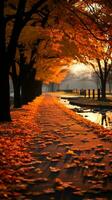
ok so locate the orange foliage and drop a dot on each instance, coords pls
(74, 30)
(53, 69)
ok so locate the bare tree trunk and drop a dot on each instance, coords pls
(4, 98)
(38, 87)
(16, 86)
(103, 90)
(4, 74)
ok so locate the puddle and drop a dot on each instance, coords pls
(98, 115)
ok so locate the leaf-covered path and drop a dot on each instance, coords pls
(50, 152)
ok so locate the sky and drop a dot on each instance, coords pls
(80, 76)
(80, 69)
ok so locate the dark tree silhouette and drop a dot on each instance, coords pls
(7, 52)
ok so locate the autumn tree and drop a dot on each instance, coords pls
(91, 33)
(23, 73)
(54, 60)
(31, 35)
(97, 54)
(15, 14)
(29, 86)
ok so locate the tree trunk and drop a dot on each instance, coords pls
(103, 90)
(4, 98)
(30, 87)
(4, 77)
(110, 88)
(24, 90)
(17, 96)
(16, 86)
(38, 87)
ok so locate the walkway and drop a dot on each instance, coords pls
(71, 158)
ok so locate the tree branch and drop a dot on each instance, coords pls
(84, 24)
(35, 7)
(100, 69)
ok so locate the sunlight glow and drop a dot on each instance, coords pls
(80, 67)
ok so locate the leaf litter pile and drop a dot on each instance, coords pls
(50, 152)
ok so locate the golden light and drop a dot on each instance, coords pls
(80, 67)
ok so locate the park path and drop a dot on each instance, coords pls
(70, 158)
(76, 154)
